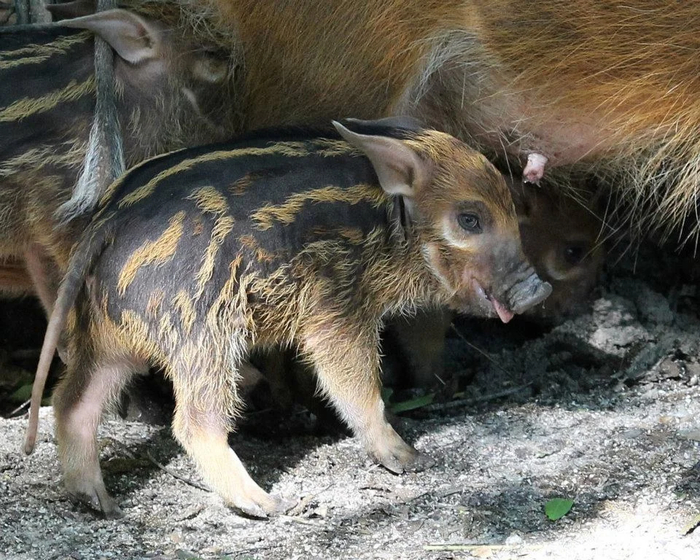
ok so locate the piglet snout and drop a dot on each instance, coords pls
(527, 293)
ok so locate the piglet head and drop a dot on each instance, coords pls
(461, 213)
(175, 87)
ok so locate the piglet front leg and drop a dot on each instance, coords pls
(347, 367)
(202, 427)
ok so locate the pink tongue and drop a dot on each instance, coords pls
(503, 313)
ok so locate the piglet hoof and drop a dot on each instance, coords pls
(398, 457)
(421, 462)
(252, 510)
(405, 460)
(105, 503)
(283, 505)
(114, 512)
(270, 506)
(86, 487)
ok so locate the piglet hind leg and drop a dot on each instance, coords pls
(201, 425)
(347, 366)
(78, 405)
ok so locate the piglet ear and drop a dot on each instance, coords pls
(134, 38)
(400, 121)
(522, 200)
(400, 170)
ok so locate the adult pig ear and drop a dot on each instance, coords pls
(134, 38)
(400, 170)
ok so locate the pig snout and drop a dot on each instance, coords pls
(519, 290)
(527, 293)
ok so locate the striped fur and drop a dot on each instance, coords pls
(47, 100)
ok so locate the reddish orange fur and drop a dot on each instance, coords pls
(613, 86)
(310, 61)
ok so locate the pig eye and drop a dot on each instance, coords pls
(469, 222)
(574, 254)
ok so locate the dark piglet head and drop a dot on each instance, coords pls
(461, 212)
(562, 239)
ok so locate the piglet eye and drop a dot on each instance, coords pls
(574, 254)
(469, 223)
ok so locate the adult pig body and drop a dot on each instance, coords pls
(199, 256)
(612, 88)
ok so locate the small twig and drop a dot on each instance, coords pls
(162, 467)
(484, 398)
(465, 547)
(437, 494)
(301, 506)
(21, 407)
(260, 412)
(482, 352)
(175, 475)
(440, 379)
(300, 520)
(248, 552)
(450, 491)
(125, 450)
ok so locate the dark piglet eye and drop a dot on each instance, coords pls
(574, 254)
(469, 223)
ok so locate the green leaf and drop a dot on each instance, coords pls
(387, 393)
(556, 508)
(23, 394)
(413, 404)
(692, 526)
(185, 555)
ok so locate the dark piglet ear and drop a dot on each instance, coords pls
(399, 168)
(133, 38)
(403, 122)
(522, 199)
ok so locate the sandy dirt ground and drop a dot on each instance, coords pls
(603, 409)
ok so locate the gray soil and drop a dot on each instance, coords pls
(603, 409)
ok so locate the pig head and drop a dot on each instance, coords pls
(463, 216)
